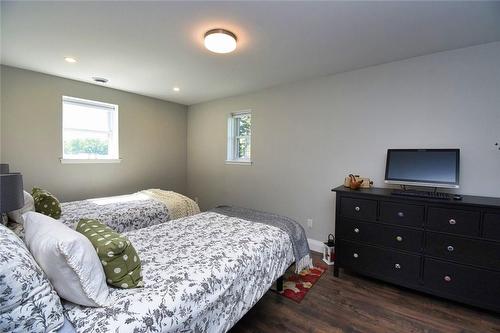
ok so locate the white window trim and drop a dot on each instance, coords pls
(89, 161)
(239, 162)
(104, 160)
(231, 139)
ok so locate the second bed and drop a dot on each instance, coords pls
(132, 211)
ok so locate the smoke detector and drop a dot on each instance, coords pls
(100, 80)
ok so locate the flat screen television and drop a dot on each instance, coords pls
(423, 167)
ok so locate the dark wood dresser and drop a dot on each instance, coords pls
(447, 248)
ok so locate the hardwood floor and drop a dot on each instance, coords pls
(353, 304)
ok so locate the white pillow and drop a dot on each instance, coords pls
(68, 258)
(29, 206)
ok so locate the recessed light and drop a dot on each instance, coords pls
(220, 41)
(176, 89)
(100, 79)
(70, 60)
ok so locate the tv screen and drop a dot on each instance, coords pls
(423, 167)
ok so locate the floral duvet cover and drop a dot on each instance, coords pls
(120, 213)
(202, 273)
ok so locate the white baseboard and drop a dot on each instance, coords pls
(315, 245)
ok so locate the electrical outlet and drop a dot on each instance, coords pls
(309, 223)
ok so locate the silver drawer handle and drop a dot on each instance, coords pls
(447, 278)
(401, 214)
(356, 230)
(357, 208)
(450, 248)
(397, 266)
(452, 222)
(355, 255)
(399, 238)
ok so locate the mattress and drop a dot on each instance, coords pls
(202, 273)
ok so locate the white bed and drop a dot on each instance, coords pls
(130, 212)
(202, 274)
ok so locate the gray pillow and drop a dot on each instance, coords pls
(29, 206)
(28, 303)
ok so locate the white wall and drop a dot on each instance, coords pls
(308, 135)
(152, 138)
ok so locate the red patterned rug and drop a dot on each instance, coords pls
(296, 286)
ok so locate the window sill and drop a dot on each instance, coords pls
(237, 162)
(89, 161)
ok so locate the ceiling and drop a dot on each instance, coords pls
(150, 47)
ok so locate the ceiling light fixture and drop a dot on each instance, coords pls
(100, 80)
(70, 60)
(220, 41)
(176, 89)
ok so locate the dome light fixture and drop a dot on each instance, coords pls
(220, 41)
(71, 60)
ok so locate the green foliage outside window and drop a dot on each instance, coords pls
(86, 146)
(245, 124)
(244, 129)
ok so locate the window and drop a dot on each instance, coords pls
(90, 131)
(239, 138)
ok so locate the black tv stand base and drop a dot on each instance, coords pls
(423, 194)
(446, 248)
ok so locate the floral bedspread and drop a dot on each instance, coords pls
(120, 213)
(202, 273)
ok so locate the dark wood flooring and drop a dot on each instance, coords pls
(353, 304)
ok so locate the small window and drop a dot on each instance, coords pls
(90, 131)
(239, 137)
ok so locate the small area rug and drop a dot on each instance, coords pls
(296, 286)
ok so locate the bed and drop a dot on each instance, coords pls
(130, 212)
(202, 273)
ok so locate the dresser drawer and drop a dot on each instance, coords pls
(454, 221)
(359, 208)
(478, 286)
(491, 226)
(378, 234)
(463, 250)
(391, 265)
(403, 214)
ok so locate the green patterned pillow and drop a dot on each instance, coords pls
(46, 203)
(119, 259)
